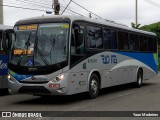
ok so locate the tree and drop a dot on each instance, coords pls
(135, 26)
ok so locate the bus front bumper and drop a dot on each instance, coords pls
(50, 88)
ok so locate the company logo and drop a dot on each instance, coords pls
(21, 114)
(106, 59)
(3, 65)
(6, 114)
(38, 79)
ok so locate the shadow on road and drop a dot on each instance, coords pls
(121, 88)
(56, 100)
(61, 100)
(4, 92)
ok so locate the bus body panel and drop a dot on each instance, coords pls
(114, 67)
(121, 70)
(3, 60)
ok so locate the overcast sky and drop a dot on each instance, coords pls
(121, 11)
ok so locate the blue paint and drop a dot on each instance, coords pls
(19, 77)
(146, 58)
(3, 65)
(30, 62)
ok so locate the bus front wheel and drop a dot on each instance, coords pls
(94, 86)
(139, 81)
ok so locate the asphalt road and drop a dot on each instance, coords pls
(119, 98)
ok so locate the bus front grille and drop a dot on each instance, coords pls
(30, 82)
(34, 90)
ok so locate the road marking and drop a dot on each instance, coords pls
(126, 94)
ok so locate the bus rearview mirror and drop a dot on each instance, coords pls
(7, 37)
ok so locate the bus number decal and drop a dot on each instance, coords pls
(106, 59)
(92, 60)
(65, 26)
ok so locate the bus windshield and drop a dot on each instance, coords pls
(40, 45)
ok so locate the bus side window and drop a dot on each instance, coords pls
(155, 45)
(134, 42)
(77, 41)
(123, 40)
(73, 42)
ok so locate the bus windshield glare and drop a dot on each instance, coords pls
(40, 45)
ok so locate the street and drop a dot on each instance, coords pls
(119, 98)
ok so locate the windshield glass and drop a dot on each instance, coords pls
(40, 45)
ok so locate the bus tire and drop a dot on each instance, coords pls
(139, 81)
(94, 86)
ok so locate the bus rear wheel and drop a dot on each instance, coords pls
(94, 86)
(139, 81)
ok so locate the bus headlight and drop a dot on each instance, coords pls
(59, 77)
(10, 78)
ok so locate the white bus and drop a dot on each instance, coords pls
(65, 55)
(3, 59)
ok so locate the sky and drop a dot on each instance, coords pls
(121, 11)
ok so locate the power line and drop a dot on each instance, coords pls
(27, 3)
(66, 7)
(71, 8)
(73, 11)
(37, 9)
(22, 7)
(32, 3)
(81, 7)
(152, 3)
(40, 2)
(86, 9)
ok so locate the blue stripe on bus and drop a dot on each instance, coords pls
(18, 76)
(149, 59)
(3, 65)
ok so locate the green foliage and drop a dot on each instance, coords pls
(135, 26)
(155, 27)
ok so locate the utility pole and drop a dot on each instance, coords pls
(90, 15)
(1, 11)
(136, 23)
(56, 6)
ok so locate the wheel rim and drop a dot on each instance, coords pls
(94, 86)
(139, 80)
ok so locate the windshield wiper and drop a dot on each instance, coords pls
(27, 43)
(39, 51)
(43, 58)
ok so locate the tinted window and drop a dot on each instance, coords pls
(155, 44)
(134, 43)
(110, 39)
(77, 41)
(123, 40)
(94, 37)
(0, 34)
(143, 43)
(150, 44)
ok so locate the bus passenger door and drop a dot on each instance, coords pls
(78, 67)
(77, 44)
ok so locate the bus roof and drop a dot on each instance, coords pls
(5, 27)
(82, 18)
